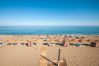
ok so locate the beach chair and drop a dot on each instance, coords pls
(93, 44)
(77, 44)
(1, 44)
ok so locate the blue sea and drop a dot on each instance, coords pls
(94, 30)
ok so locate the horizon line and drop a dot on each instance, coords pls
(41, 25)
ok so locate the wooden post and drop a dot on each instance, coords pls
(58, 57)
(43, 61)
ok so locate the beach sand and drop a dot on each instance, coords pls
(29, 56)
(20, 55)
(84, 56)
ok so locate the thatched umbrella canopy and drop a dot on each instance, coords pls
(39, 41)
(1, 40)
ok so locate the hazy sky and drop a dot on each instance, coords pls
(49, 12)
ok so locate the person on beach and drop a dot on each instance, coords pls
(66, 44)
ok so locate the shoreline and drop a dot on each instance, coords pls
(51, 34)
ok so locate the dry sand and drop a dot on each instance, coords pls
(83, 56)
(29, 56)
(19, 56)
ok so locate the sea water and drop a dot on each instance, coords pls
(49, 30)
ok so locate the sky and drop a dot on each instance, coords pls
(49, 13)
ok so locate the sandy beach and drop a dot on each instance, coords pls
(29, 56)
(13, 51)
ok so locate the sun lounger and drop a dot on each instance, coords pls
(77, 45)
(1, 44)
(93, 44)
